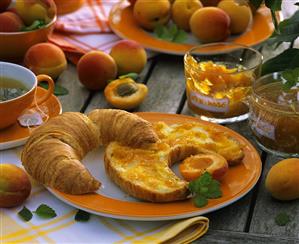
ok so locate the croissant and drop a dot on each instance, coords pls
(124, 127)
(53, 152)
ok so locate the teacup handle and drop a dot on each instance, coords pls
(50, 90)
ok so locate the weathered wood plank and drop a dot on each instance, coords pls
(166, 85)
(267, 208)
(77, 96)
(98, 99)
(230, 237)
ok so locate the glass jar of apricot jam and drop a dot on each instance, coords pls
(219, 77)
(274, 115)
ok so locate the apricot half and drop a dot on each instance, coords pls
(15, 186)
(194, 166)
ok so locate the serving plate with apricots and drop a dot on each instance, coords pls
(24, 23)
(228, 162)
(175, 27)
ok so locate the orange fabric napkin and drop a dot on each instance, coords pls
(85, 29)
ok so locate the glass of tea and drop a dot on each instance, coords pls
(219, 77)
(274, 115)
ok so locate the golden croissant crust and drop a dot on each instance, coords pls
(124, 127)
(53, 152)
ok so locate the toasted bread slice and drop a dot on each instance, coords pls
(203, 137)
(145, 172)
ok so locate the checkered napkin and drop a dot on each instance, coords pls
(64, 229)
(85, 29)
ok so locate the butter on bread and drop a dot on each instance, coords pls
(145, 173)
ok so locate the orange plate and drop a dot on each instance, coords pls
(17, 135)
(110, 201)
(122, 22)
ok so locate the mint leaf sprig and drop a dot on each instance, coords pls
(58, 90)
(282, 219)
(46, 212)
(82, 216)
(204, 188)
(37, 24)
(25, 214)
(170, 33)
(43, 211)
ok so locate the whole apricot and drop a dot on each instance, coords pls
(15, 186)
(95, 69)
(4, 5)
(149, 14)
(210, 24)
(10, 22)
(239, 13)
(129, 56)
(182, 11)
(45, 58)
(282, 180)
(31, 10)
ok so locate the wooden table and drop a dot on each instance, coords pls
(249, 220)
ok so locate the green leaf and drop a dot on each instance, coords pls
(45, 211)
(203, 188)
(159, 30)
(170, 33)
(289, 59)
(163, 33)
(25, 214)
(58, 90)
(200, 201)
(274, 5)
(194, 186)
(288, 30)
(205, 179)
(282, 219)
(214, 190)
(37, 24)
(133, 76)
(297, 4)
(173, 30)
(291, 78)
(256, 3)
(82, 216)
(180, 37)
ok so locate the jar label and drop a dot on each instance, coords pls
(209, 103)
(263, 127)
